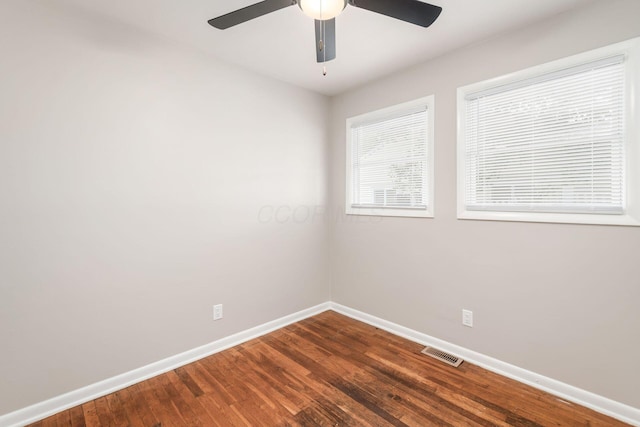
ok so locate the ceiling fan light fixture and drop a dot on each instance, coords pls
(322, 9)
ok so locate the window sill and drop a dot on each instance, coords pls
(410, 213)
(560, 218)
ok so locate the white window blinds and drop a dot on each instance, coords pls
(389, 162)
(553, 143)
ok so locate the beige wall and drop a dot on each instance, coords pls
(559, 300)
(132, 173)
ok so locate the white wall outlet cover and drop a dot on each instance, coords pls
(467, 318)
(217, 312)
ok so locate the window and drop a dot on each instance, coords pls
(554, 143)
(390, 161)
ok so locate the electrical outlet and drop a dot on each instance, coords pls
(217, 312)
(467, 318)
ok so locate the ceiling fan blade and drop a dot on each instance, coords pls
(326, 40)
(248, 13)
(412, 11)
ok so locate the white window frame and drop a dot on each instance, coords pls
(631, 215)
(427, 102)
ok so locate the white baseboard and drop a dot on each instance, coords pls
(622, 412)
(77, 397)
(57, 404)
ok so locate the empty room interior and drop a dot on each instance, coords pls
(282, 213)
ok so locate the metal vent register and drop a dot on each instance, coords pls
(442, 356)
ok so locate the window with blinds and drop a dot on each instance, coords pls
(389, 171)
(548, 142)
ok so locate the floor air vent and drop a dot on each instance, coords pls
(442, 356)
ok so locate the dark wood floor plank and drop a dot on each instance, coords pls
(198, 415)
(50, 421)
(281, 375)
(76, 417)
(64, 419)
(136, 408)
(221, 415)
(187, 414)
(106, 417)
(201, 377)
(327, 370)
(255, 408)
(159, 403)
(258, 381)
(215, 399)
(219, 399)
(266, 374)
(188, 381)
(226, 385)
(90, 413)
(120, 417)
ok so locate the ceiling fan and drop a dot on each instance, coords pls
(324, 13)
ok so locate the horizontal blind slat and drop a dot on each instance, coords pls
(390, 161)
(552, 141)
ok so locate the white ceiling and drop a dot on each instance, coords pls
(369, 46)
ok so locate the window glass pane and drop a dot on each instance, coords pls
(554, 143)
(390, 162)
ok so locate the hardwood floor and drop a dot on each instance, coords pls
(328, 370)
